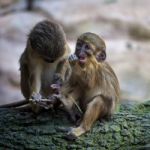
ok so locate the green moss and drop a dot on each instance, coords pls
(115, 128)
(21, 130)
(142, 108)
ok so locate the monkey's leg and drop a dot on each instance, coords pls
(92, 113)
(69, 95)
(35, 97)
(68, 102)
(35, 81)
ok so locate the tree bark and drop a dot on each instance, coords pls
(127, 129)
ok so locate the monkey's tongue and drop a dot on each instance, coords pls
(82, 60)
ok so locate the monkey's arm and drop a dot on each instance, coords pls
(63, 69)
(62, 72)
(69, 96)
(35, 80)
(24, 75)
(30, 79)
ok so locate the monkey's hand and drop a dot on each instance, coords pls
(55, 96)
(35, 97)
(53, 100)
(57, 79)
(55, 88)
(46, 103)
(34, 100)
(73, 59)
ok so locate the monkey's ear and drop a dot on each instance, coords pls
(101, 56)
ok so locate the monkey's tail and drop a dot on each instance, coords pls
(15, 104)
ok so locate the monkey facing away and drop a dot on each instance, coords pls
(93, 85)
(44, 61)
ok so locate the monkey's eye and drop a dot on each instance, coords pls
(86, 46)
(103, 56)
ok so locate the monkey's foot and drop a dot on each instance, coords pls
(37, 101)
(70, 137)
(74, 133)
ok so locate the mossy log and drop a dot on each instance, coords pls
(127, 129)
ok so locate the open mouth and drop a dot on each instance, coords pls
(82, 59)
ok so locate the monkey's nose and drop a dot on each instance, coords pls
(82, 55)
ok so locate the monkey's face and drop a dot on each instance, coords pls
(83, 51)
(90, 47)
(48, 59)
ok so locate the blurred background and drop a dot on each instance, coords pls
(123, 24)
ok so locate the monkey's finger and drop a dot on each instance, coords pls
(57, 96)
(36, 96)
(75, 57)
(32, 101)
(45, 105)
(55, 86)
(70, 137)
(54, 98)
(72, 57)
